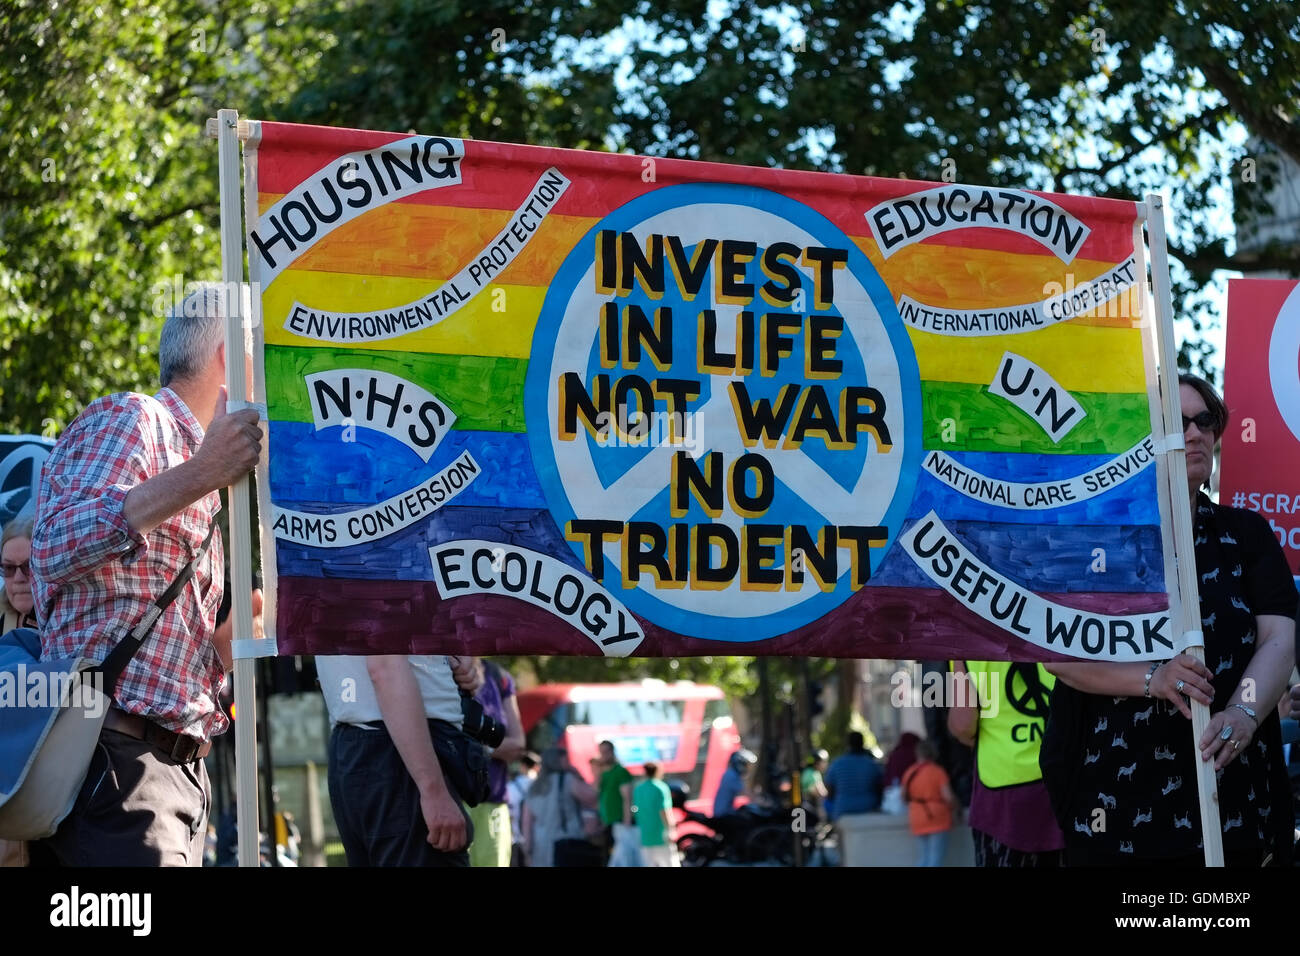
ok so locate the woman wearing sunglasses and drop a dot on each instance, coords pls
(16, 610)
(1122, 731)
(16, 603)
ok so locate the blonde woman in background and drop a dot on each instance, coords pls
(16, 610)
(16, 603)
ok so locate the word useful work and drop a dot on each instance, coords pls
(948, 563)
(633, 336)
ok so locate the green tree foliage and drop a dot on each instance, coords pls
(490, 70)
(1105, 99)
(733, 674)
(108, 188)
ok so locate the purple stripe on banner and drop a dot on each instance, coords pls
(408, 617)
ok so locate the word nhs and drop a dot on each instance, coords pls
(945, 690)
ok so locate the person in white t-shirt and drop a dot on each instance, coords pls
(516, 791)
(392, 802)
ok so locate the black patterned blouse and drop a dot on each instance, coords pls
(1138, 759)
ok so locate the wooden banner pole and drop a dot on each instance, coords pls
(1189, 621)
(240, 546)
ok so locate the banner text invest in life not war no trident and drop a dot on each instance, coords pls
(712, 554)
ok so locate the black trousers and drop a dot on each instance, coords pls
(137, 807)
(377, 805)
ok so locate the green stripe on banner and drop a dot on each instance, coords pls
(961, 417)
(487, 394)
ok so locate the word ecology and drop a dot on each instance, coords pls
(471, 566)
(780, 300)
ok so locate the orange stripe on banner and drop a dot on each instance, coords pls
(435, 242)
(985, 278)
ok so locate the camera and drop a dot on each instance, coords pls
(478, 724)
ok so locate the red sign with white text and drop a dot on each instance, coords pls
(1261, 448)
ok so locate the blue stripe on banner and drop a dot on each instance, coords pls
(320, 472)
(1047, 559)
(404, 555)
(1132, 502)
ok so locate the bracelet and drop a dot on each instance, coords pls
(1248, 712)
(1146, 684)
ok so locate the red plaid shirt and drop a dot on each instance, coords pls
(94, 577)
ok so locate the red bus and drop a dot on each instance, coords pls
(686, 728)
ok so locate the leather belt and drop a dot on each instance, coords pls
(182, 748)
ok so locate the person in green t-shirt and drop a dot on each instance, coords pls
(812, 788)
(614, 783)
(653, 803)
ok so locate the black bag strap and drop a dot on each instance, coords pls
(126, 648)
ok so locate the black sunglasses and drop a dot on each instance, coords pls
(9, 570)
(1205, 421)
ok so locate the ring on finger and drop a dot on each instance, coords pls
(1234, 745)
(1227, 734)
(1179, 686)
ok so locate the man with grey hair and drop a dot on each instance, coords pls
(126, 499)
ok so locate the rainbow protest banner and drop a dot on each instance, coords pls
(532, 400)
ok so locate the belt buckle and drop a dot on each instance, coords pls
(184, 748)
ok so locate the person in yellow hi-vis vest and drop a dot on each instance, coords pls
(1002, 716)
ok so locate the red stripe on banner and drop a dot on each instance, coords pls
(345, 616)
(499, 176)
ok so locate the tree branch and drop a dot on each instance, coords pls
(1266, 122)
(1201, 120)
(153, 222)
(1275, 258)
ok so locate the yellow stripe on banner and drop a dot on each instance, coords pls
(436, 242)
(1080, 357)
(498, 322)
(950, 277)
